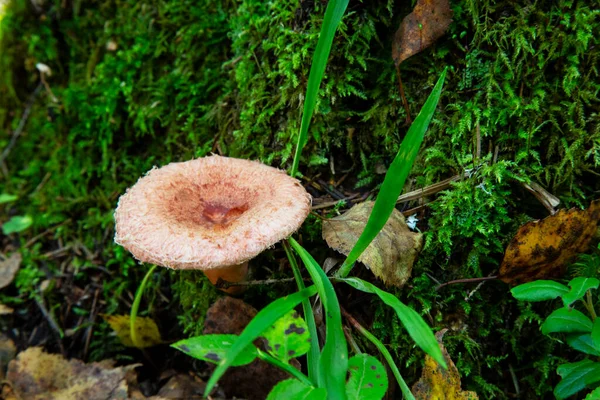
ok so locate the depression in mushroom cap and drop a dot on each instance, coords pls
(209, 213)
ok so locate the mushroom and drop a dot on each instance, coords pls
(213, 213)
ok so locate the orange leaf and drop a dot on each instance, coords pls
(542, 249)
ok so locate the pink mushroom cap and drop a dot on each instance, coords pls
(209, 213)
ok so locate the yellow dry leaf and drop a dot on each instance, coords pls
(37, 375)
(147, 333)
(437, 383)
(8, 269)
(543, 249)
(5, 310)
(392, 253)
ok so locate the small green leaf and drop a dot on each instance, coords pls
(539, 291)
(579, 286)
(293, 389)
(213, 348)
(565, 320)
(17, 224)
(595, 395)
(7, 198)
(417, 328)
(368, 379)
(576, 377)
(595, 336)
(288, 337)
(583, 342)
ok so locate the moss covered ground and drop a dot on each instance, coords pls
(141, 83)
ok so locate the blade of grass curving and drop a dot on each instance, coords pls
(394, 178)
(384, 351)
(312, 358)
(333, 363)
(284, 366)
(333, 15)
(417, 328)
(136, 305)
(263, 320)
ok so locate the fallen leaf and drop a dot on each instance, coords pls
(8, 350)
(392, 253)
(147, 333)
(182, 387)
(428, 21)
(5, 310)
(252, 381)
(36, 375)
(8, 269)
(543, 249)
(439, 383)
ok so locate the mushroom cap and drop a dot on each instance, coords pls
(209, 213)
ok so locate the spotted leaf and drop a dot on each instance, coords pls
(288, 337)
(368, 379)
(213, 348)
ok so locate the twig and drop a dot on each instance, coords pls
(47, 231)
(404, 101)
(223, 284)
(333, 203)
(22, 122)
(90, 329)
(431, 189)
(468, 280)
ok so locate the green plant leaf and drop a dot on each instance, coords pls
(213, 348)
(565, 320)
(576, 377)
(263, 320)
(293, 389)
(7, 198)
(594, 395)
(17, 224)
(539, 290)
(368, 379)
(394, 178)
(417, 328)
(579, 286)
(333, 15)
(288, 337)
(595, 336)
(583, 342)
(333, 363)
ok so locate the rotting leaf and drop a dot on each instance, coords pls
(37, 375)
(8, 269)
(390, 255)
(147, 331)
(439, 383)
(542, 249)
(288, 337)
(428, 21)
(213, 348)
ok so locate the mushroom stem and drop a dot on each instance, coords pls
(230, 273)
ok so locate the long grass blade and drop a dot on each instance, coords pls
(263, 320)
(312, 358)
(333, 363)
(417, 328)
(395, 178)
(333, 15)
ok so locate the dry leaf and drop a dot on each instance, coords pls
(392, 253)
(439, 383)
(8, 350)
(146, 330)
(36, 375)
(542, 249)
(5, 310)
(8, 269)
(420, 29)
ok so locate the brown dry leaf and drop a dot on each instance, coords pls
(392, 253)
(8, 269)
(5, 310)
(439, 383)
(146, 330)
(36, 375)
(8, 350)
(542, 249)
(421, 28)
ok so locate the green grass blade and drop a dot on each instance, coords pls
(263, 320)
(333, 363)
(394, 178)
(312, 358)
(417, 328)
(333, 16)
(136, 305)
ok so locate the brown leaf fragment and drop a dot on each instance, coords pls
(255, 380)
(8, 269)
(5, 310)
(37, 375)
(392, 253)
(420, 29)
(542, 249)
(439, 383)
(8, 351)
